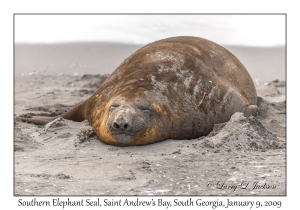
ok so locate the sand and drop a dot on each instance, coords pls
(245, 156)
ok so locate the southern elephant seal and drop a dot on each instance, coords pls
(175, 88)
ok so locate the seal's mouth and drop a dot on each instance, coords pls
(123, 138)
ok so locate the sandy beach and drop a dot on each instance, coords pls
(245, 156)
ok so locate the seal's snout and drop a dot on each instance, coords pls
(125, 122)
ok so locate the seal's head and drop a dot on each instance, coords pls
(127, 120)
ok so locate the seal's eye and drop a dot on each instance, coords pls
(113, 106)
(145, 109)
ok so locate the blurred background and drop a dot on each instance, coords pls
(97, 44)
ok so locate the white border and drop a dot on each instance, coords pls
(13, 6)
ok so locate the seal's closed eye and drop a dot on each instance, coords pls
(145, 109)
(113, 106)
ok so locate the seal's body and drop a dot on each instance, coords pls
(174, 88)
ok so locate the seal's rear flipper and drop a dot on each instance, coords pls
(39, 120)
(251, 110)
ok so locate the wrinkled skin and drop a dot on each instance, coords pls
(174, 88)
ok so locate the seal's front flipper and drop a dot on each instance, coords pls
(250, 110)
(39, 120)
(76, 113)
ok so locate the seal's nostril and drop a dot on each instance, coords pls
(126, 126)
(116, 125)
